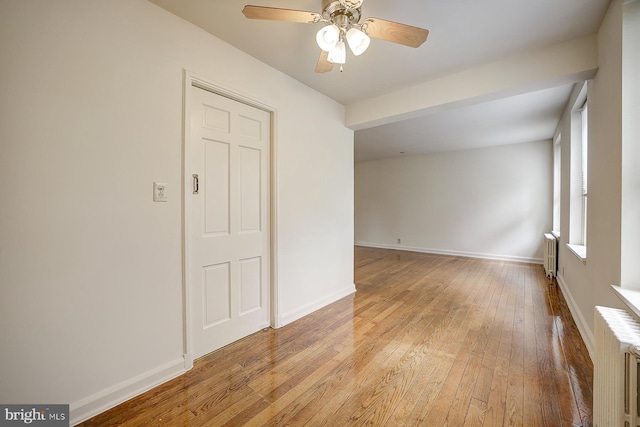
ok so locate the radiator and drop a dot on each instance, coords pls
(550, 258)
(615, 374)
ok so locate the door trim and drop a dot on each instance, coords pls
(193, 80)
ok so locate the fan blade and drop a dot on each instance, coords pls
(395, 32)
(323, 65)
(276, 14)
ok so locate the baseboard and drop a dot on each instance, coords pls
(99, 402)
(498, 257)
(300, 312)
(583, 326)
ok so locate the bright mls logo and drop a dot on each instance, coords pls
(36, 415)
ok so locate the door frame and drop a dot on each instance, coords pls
(190, 81)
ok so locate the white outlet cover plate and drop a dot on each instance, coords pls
(159, 192)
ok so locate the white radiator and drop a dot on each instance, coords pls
(615, 374)
(550, 258)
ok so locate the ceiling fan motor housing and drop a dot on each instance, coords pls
(339, 12)
(351, 4)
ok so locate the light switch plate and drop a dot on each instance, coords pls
(159, 192)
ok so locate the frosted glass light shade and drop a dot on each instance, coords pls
(358, 41)
(328, 37)
(338, 54)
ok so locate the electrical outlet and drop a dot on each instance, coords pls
(399, 240)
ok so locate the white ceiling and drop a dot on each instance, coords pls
(523, 118)
(463, 34)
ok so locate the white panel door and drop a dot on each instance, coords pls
(228, 257)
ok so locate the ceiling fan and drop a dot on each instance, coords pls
(342, 23)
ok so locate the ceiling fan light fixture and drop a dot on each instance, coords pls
(338, 55)
(328, 37)
(358, 41)
(341, 26)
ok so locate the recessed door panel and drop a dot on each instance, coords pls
(251, 284)
(250, 189)
(216, 187)
(216, 294)
(216, 118)
(250, 127)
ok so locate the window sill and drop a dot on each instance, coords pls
(580, 251)
(630, 297)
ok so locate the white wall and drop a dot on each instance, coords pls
(630, 274)
(493, 202)
(90, 268)
(587, 284)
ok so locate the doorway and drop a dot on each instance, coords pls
(227, 236)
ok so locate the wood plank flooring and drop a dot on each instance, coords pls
(427, 340)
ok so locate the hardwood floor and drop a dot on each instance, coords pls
(427, 340)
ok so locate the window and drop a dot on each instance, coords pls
(579, 174)
(557, 168)
(584, 137)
